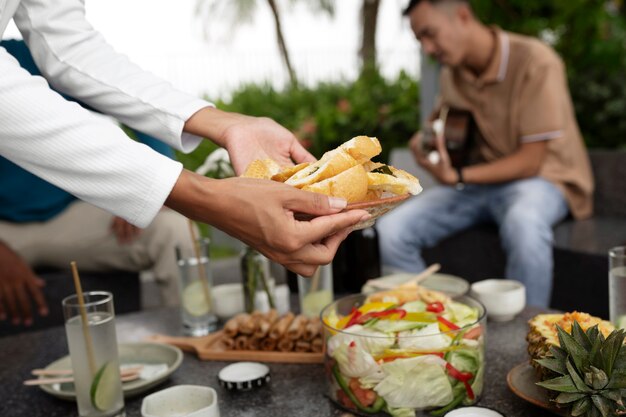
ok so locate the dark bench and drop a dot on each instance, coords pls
(124, 286)
(580, 247)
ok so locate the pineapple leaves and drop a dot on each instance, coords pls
(553, 364)
(576, 351)
(569, 397)
(603, 405)
(560, 384)
(578, 381)
(580, 407)
(610, 350)
(617, 380)
(580, 336)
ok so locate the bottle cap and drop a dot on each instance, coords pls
(244, 375)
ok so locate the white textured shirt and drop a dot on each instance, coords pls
(64, 143)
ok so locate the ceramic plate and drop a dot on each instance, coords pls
(377, 208)
(521, 381)
(160, 362)
(452, 285)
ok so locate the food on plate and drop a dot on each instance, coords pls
(581, 361)
(271, 332)
(398, 352)
(346, 172)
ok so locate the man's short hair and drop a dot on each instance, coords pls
(413, 3)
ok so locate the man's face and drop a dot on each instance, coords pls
(441, 31)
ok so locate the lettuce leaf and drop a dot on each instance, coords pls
(400, 412)
(414, 306)
(460, 314)
(372, 341)
(393, 326)
(418, 382)
(355, 362)
(426, 338)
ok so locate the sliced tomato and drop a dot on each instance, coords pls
(473, 333)
(366, 397)
(344, 400)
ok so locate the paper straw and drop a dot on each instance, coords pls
(85, 323)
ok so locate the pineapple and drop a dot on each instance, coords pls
(543, 334)
(588, 370)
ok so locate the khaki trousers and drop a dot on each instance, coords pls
(82, 233)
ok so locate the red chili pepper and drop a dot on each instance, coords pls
(356, 314)
(435, 307)
(380, 314)
(447, 323)
(464, 377)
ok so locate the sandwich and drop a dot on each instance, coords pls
(345, 172)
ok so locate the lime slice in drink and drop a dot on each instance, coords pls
(104, 388)
(194, 300)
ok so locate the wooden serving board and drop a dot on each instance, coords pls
(207, 348)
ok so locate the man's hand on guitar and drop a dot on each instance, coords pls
(442, 169)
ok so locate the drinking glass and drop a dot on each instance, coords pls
(617, 286)
(93, 351)
(316, 292)
(196, 307)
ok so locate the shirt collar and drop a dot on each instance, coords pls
(499, 63)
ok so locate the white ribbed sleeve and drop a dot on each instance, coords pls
(81, 153)
(65, 144)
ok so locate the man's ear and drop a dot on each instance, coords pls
(464, 13)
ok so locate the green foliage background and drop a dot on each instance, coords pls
(590, 36)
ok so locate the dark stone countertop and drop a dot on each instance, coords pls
(295, 390)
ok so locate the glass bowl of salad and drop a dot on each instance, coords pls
(396, 352)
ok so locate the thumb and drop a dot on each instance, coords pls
(299, 154)
(314, 203)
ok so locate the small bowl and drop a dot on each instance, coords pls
(181, 401)
(503, 298)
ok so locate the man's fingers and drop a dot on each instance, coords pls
(24, 304)
(34, 287)
(9, 299)
(313, 203)
(302, 269)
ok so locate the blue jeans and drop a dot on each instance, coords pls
(524, 210)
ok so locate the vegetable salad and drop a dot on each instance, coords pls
(398, 356)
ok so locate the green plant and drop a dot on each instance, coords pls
(331, 113)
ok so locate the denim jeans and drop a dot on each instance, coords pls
(524, 210)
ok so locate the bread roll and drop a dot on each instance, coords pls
(296, 328)
(350, 184)
(280, 327)
(362, 148)
(287, 172)
(393, 180)
(332, 163)
(263, 169)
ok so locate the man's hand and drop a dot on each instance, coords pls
(18, 284)
(262, 214)
(442, 170)
(124, 232)
(248, 138)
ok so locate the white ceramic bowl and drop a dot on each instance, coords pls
(503, 298)
(181, 401)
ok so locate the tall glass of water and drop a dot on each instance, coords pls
(617, 286)
(93, 352)
(197, 310)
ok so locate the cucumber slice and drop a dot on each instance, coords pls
(194, 300)
(104, 387)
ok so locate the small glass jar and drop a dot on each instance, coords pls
(258, 284)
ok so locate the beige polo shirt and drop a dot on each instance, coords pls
(523, 97)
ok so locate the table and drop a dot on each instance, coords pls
(295, 390)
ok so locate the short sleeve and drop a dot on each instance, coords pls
(541, 117)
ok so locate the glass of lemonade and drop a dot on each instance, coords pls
(93, 352)
(316, 292)
(617, 286)
(197, 311)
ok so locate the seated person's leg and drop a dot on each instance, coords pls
(425, 220)
(526, 211)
